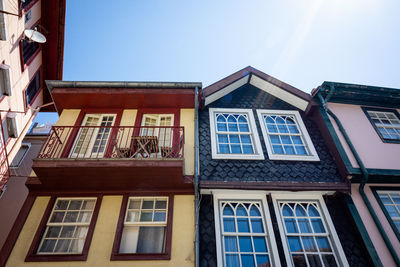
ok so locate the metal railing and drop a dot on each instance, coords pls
(118, 142)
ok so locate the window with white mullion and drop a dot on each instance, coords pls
(67, 226)
(244, 236)
(145, 225)
(387, 123)
(391, 202)
(307, 234)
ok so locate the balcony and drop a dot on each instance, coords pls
(111, 158)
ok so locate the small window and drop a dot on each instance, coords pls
(5, 80)
(386, 123)
(244, 231)
(67, 226)
(28, 48)
(307, 232)
(286, 136)
(10, 127)
(26, 3)
(145, 226)
(391, 203)
(234, 134)
(3, 24)
(20, 155)
(144, 230)
(32, 90)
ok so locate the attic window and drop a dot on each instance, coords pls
(286, 136)
(386, 123)
(234, 134)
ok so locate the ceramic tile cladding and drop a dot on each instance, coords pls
(350, 239)
(249, 96)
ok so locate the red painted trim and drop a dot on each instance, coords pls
(79, 121)
(16, 229)
(115, 255)
(40, 71)
(32, 256)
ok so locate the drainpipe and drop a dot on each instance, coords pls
(365, 176)
(196, 174)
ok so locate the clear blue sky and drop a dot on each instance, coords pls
(302, 43)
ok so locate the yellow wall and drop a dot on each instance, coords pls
(187, 121)
(182, 253)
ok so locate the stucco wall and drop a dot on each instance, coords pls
(182, 253)
(374, 153)
(370, 225)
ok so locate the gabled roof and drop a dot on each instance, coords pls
(261, 80)
(359, 94)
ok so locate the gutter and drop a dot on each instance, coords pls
(196, 174)
(364, 180)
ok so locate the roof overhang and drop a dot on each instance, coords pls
(127, 95)
(269, 84)
(359, 94)
(53, 20)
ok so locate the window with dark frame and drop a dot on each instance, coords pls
(25, 3)
(66, 229)
(32, 89)
(386, 123)
(29, 48)
(16, 162)
(144, 229)
(389, 200)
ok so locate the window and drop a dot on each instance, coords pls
(386, 123)
(3, 24)
(286, 136)
(9, 126)
(244, 231)
(32, 90)
(307, 232)
(234, 134)
(5, 80)
(26, 3)
(390, 203)
(20, 155)
(145, 229)
(28, 50)
(159, 125)
(67, 226)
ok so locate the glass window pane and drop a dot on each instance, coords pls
(275, 139)
(262, 260)
(232, 260)
(244, 128)
(259, 244)
(230, 244)
(248, 149)
(245, 139)
(291, 226)
(48, 245)
(297, 140)
(234, 139)
(314, 260)
(293, 129)
(151, 239)
(289, 150)
(224, 149)
(228, 210)
(309, 244)
(146, 216)
(159, 216)
(300, 211)
(132, 216)
(277, 149)
(243, 225)
(299, 260)
(318, 225)
(294, 244)
(392, 211)
(236, 149)
(88, 205)
(57, 217)
(53, 231)
(254, 211)
(286, 139)
(301, 150)
(241, 211)
(161, 204)
(62, 245)
(272, 128)
(287, 211)
(233, 127)
(75, 205)
(329, 260)
(323, 244)
(67, 231)
(229, 225)
(245, 244)
(61, 205)
(223, 138)
(257, 226)
(84, 216)
(71, 216)
(148, 204)
(247, 260)
(222, 127)
(304, 225)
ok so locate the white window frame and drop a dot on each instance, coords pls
(50, 224)
(23, 156)
(146, 223)
(308, 197)
(5, 80)
(3, 22)
(258, 152)
(243, 195)
(313, 156)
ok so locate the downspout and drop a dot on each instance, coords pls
(365, 176)
(196, 174)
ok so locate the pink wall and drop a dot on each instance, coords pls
(369, 223)
(374, 153)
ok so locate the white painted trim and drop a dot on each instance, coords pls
(258, 155)
(226, 90)
(307, 196)
(244, 195)
(303, 130)
(279, 92)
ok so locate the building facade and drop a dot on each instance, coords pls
(271, 193)
(113, 183)
(24, 65)
(364, 126)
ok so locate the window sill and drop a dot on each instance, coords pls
(238, 156)
(57, 257)
(293, 157)
(144, 256)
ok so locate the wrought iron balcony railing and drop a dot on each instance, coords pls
(117, 142)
